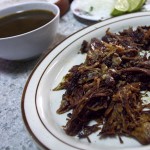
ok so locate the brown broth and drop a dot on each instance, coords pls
(23, 22)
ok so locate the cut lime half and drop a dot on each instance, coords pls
(116, 12)
(122, 5)
(134, 5)
(140, 5)
(120, 8)
(127, 6)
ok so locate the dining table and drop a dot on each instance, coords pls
(13, 77)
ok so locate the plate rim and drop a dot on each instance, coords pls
(24, 118)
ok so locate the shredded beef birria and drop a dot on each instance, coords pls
(107, 87)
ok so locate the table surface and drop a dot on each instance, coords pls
(13, 76)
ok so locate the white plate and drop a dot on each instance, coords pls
(103, 11)
(39, 102)
(98, 12)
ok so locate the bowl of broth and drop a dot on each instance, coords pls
(27, 29)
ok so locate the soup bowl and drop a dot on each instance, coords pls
(30, 44)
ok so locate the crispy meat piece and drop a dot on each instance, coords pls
(136, 70)
(130, 39)
(142, 132)
(84, 47)
(145, 64)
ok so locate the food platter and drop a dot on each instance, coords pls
(40, 102)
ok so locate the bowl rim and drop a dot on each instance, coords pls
(31, 3)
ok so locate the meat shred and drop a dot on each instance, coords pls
(107, 87)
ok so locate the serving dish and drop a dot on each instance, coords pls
(40, 102)
(103, 13)
(82, 9)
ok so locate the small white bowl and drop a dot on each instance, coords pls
(33, 43)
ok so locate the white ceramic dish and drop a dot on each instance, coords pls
(33, 43)
(83, 10)
(103, 13)
(39, 102)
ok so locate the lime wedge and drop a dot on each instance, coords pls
(120, 8)
(116, 12)
(127, 6)
(134, 5)
(140, 5)
(122, 5)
